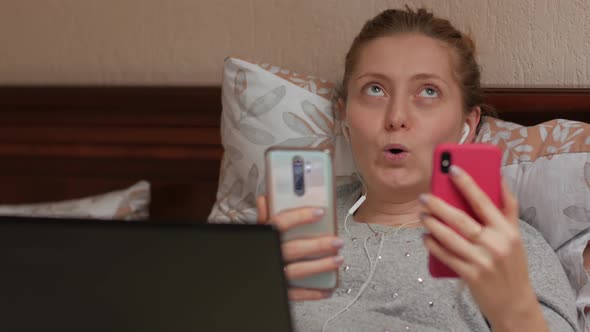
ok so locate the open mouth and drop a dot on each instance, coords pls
(396, 148)
(396, 151)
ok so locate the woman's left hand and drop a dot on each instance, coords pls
(489, 257)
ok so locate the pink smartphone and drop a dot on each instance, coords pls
(303, 177)
(482, 162)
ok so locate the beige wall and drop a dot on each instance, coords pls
(530, 42)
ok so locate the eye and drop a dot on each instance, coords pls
(429, 92)
(374, 90)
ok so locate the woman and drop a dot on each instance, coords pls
(410, 83)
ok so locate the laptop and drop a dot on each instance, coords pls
(82, 275)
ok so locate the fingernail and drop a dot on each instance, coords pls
(423, 216)
(327, 294)
(455, 170)
(423, 198)
(338, 260)
(318, 212)
(338, 243)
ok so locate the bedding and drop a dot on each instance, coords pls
(546, 165)
(131, 203)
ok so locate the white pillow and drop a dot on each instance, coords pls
(131, 203)
(547, 166)
(571, 256)
(265, 106)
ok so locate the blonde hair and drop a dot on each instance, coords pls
(395, 21)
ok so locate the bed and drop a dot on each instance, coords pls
(63, 142)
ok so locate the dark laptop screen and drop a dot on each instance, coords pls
(121, 276)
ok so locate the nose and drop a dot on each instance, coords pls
(396, 115)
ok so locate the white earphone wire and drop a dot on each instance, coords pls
(373, 267)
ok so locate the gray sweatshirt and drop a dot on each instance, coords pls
(402, 296)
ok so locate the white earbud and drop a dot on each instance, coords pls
(345, 130)
(357, 204)
(362, 199)
(466, 130)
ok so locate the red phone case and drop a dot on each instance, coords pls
(482, 162)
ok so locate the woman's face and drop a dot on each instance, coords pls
(403, 100)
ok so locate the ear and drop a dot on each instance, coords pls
(341, 109)
(473, 121)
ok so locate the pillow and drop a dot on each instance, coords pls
(571, 255)
(547, 166)
(264, 105)
(128, 204)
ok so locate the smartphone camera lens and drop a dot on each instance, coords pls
(445, 162)
(298, 176)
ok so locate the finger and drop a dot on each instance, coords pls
(500, 244)
(262, 216)
(456, 244)
(288, 219)
(307, 268)
(510, 203)
(460, 267)
(297, 249)
(455, 218)
(479, 201)
(303, 294)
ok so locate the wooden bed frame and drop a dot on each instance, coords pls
(67, 142)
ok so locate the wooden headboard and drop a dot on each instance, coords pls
(67, 142)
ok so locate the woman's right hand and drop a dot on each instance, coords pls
(295, 250)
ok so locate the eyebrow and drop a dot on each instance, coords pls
(425, 76)
(378, 75)
(417, 77)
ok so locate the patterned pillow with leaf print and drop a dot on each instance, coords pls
(131, 203)
(263, 106)
(547, 166)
